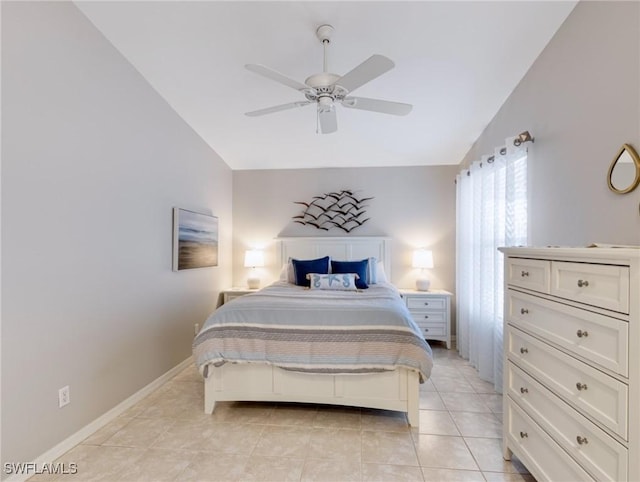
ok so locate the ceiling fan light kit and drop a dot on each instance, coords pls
(326, 89)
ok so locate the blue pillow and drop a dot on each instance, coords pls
(302, 267)
(361, 268)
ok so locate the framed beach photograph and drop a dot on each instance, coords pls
(195, 240)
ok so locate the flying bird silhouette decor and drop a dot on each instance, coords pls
(342, 210)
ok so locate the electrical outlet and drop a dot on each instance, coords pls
(196, 328)
(63, 396)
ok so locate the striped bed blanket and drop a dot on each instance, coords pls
(315, 331)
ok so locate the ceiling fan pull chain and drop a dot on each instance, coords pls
(317, 120)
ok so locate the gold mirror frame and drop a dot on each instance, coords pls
(636, 161)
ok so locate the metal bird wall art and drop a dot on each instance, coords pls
(342, 210)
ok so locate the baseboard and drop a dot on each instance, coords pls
(52, 454)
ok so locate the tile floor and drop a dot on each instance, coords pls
(167, 436)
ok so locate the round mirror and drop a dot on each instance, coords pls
(624, 173)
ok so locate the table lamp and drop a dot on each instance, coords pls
(423, 259)
(253, 258)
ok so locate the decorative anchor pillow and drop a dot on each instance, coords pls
(342, 281)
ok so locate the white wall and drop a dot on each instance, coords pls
(415, 206)
(581, 102)
(93, 160)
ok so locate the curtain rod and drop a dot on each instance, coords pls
(521, 138)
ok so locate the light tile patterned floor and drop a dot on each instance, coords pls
(168, 437)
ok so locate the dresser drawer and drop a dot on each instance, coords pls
(599, 285)
(431, 329)
(596, 451)
(533, 274)
(232, 296)
(597, 338)
(426, 303)
(544, 457)
(428, 317)
(600, 396)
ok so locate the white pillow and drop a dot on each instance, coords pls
(283, 272)
(381, 276)
(372, 271)
(286, 273)
(342, 282)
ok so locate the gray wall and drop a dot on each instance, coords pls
(93, 160)
(415, 206)
(581, 102)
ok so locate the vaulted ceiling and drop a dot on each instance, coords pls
(455, 62)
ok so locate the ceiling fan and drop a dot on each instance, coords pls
(326, 89)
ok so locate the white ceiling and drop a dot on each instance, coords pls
(456, 62)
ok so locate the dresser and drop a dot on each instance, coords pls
(572, 362)
(431, 310)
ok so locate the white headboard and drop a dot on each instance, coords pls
(339, 248)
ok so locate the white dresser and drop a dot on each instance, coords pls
(572, 362)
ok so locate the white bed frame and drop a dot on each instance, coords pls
(393, 390)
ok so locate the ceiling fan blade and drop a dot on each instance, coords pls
(373, 67)
(377, 105)
(328, 120)
(278, 108)
(277, 76)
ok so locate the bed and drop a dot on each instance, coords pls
(288, 343)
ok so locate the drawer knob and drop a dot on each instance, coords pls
(524, 390)
(581, 333)
(581, 386)
(426, 329)
(582, 283)
(523, 350)
(426, 303)
(524, 434)
(524, 311)
(582, 440)
(426, 316)
(524, 273)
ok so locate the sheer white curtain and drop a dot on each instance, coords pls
(491, 207)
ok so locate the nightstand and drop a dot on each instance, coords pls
(228, 295)
(431, 310)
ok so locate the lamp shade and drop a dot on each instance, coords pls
(422, 258)
(253, 258)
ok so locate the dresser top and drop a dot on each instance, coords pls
(430, 292)
(592, 254)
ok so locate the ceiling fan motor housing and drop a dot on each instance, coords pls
(324, 79)
(323, 86)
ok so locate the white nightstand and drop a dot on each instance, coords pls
(228, 295)
(431, 310)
